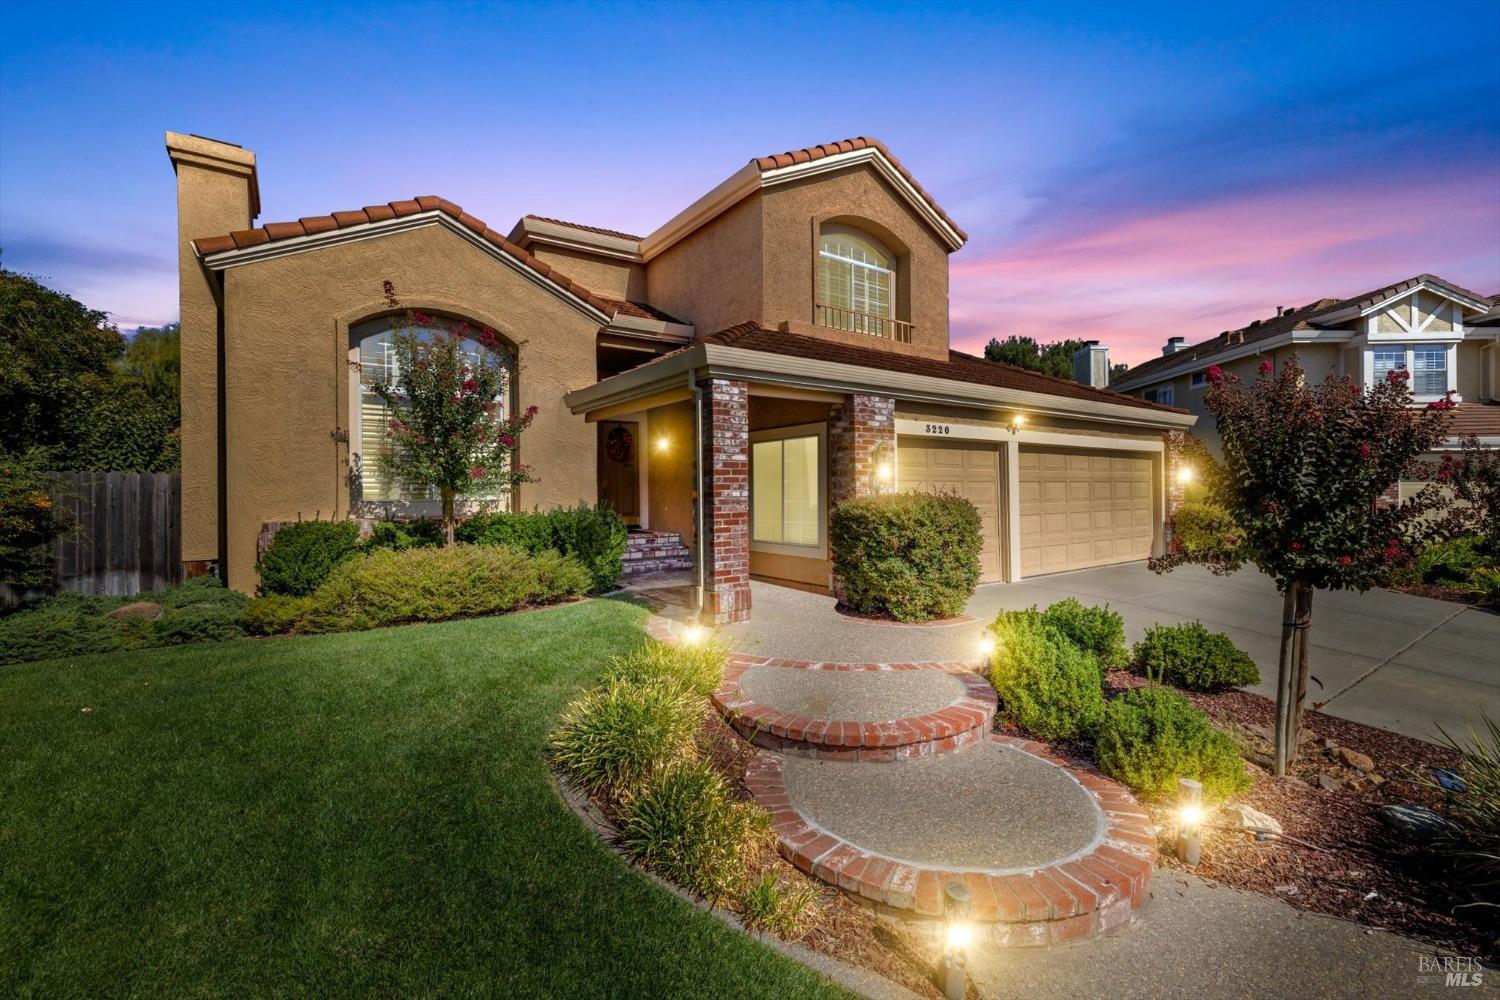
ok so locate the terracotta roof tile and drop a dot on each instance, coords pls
(587, 229)
(775, 160)
(1480, 419)
(273, 231)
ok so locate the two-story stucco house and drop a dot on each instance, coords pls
(1445, 336)
(777, 346)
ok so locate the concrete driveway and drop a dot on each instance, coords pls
(1407, 664)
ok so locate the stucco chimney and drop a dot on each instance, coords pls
(1091, 365)
(1174, 344)
(217, 193)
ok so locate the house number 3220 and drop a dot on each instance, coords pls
(939, 429)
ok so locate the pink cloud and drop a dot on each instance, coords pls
(1193, 271)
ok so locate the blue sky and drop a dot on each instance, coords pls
(1126, 171)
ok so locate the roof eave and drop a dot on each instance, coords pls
(1248, 350)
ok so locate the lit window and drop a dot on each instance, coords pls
(784, 491)
(1429, 371)
(856, 282)
(1386, 360)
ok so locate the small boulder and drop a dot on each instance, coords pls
(1329, 745)
(1330, 784)
(1247, 818)
(1414, 822)
(1356, 760)
(145, 610)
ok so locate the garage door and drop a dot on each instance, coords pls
(1083, 508)
(968, 469)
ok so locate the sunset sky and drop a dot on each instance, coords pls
(1126, 171)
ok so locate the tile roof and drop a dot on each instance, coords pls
(1479, 419)
(587, 229)
(810, 153)
(1299, 318)
(959, 367)
(309, 225)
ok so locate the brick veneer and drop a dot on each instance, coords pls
(861, 435)
(726, 501)
(1173, 442)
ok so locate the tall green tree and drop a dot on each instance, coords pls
(1055, 358)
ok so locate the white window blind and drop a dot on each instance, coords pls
(856, 274)
(785, 482)
(1429, 371)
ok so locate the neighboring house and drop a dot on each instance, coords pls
(778, 346)
(1443, 335)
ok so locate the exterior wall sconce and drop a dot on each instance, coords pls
(1017, 421)
(663, 444)
(884, 473)
(1185, 475)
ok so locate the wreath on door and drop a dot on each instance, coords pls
(619, 445)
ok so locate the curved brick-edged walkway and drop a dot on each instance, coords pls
(963, 721)
(1075, 897)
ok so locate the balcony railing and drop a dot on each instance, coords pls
(839, 318)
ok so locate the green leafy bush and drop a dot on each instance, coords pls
(914, 556)
(1453, 562)
(1487, 582)
(1092, 629)
(1202, 529)
(1191, 656)
(595, 536)
(614, 739)
(30, 518)
(389, 587)
(200, 610)
(1152, 736)
(1045, 683)
(687, 826)
(416, 534)
(699, 667)
(301, 556)
(274, 614)
(769, 905)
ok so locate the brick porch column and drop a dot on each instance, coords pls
(861, 436)
(1172, 453)
(726, 501)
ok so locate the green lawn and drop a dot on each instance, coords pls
(351, 814)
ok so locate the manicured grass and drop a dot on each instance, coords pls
(332, 815)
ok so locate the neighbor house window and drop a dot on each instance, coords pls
(785, 491)
(376, 359)
(1429, 370)
(856, 281)
(1162, 395)
(1197, 380)
(1386, 360)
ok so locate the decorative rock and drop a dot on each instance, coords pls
(1329, 745)
(1416, 823)
(1376, 780)
(1247, 818)
(1356, 760)
(146, 610)
(1330, 784)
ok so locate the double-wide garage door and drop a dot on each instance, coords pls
(1083, 508)
(1078, 507)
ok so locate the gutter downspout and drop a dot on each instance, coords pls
(698, 584)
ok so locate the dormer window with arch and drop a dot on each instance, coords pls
(857, 284)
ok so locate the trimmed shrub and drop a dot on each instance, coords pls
(914, 556)
(417, 534)
(1152, 736)
(1046, 684)
(614, 739)
(389, 587)
(275, 614)
(1191, 656)
(595, 536)
(302, 555)
(1092, 629)
(698, 667)
(686, 826)
(1200, 527)
(200, 610)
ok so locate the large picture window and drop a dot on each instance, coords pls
(786, 487)
(856, 281)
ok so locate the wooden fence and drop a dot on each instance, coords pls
(128, 538)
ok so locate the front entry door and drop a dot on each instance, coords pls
(619, 479)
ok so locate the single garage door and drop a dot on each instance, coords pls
(1083, 508)
(964, 467)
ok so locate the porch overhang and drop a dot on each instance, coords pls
(708, 360)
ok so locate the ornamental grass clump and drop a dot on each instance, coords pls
(913, 556)
(1092, 629)
(687, 826)
(769, 904)
(1152, 736)
(699, 667)
(1474, 845)
(1045, 683)
(1190, 656)
(613, 740)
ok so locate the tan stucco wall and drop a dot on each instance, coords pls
(669, 472)
(857, 197)
(1470, 373)
(712, 278)
(288, 381)
(617, 278)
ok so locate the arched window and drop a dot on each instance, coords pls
(856, 281)
(375, 360)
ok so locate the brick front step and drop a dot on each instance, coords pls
(1074, 898)
(965, 721)
(655, 552)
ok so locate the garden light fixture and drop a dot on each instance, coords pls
(958, 935)
(986, 647)
(693, 634)
(1189, 820)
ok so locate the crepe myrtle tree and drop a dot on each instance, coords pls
(446, 430)
(1302, 467)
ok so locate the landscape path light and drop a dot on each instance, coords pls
(1189, 820)
(958, 935)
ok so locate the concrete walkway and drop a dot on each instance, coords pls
(1197, 939)
(1407, 664)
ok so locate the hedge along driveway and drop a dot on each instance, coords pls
(333, 815)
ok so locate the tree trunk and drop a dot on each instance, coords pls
(1286, 679)
(1304, 630)
(446, 492)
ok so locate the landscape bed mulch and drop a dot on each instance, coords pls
(1438, 592)
(1356, 867)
